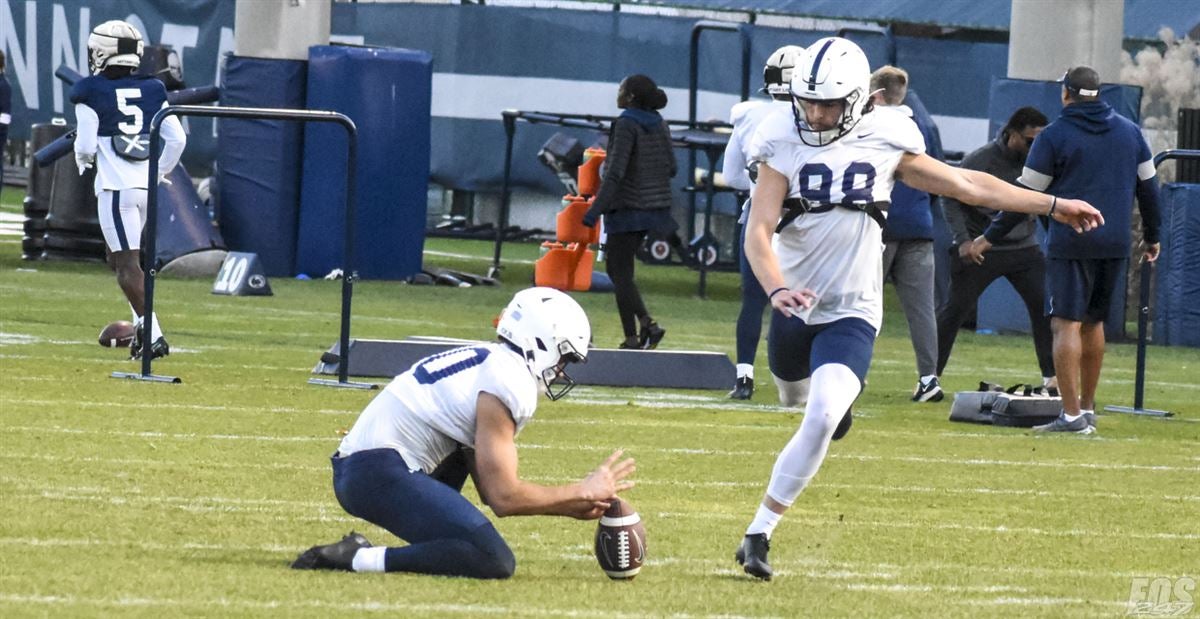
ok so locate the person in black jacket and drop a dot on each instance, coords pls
(1008, 239)
(635, 198)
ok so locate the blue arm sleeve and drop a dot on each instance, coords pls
(1147, 197)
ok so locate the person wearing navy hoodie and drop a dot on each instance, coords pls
(635, 198)
(1093, 154)
(908, 242)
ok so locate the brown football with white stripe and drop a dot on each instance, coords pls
(117, 334)
(620, 541)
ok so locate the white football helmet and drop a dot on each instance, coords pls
(550, 330)
(831, 69)
(777, 74)
(114, 43)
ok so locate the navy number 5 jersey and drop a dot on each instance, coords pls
(112, 114)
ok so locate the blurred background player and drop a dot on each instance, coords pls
(113, 108)
(403, 464)
(5, 114)
(745, 116)
(830, 161)
(1009, 240)
(1092, 153)
(635, 199)
(908, 244)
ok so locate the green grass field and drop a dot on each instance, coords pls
(143, 499)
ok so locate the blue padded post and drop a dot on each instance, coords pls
(386, 92)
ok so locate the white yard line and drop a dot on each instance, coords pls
(1056, 464)
(324, 510)
(334, 607)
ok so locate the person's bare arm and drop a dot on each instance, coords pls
(766, 207)
(496, 479)
(982, 189)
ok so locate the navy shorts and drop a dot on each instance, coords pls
(1082, 290)
(795, 349)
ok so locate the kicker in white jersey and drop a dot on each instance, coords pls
(837, 253)
(429, 410)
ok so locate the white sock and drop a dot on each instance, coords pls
(765, 521)
(1084, 411)
(1046, 380)
(834, 388)
(369, 559)
(1072, 417)
(926, 379)
(155, 330)
(744, 370)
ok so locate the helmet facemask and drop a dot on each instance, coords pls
(557, 376)
(844, 125)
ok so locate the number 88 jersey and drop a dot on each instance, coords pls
(123, 107)
(837, 253)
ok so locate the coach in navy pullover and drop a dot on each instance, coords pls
(1089, 153)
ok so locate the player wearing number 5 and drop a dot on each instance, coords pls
(826, 172)
(403, 464)
(113, 109)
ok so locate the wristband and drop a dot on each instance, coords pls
(1053, 205)
(775, 291)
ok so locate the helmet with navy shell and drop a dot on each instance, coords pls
(549, 330)
(114, 43)
(831, 69)
(777, 73)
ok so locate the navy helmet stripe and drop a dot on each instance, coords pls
(812, 77)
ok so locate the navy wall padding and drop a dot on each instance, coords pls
(259, 161)
(183, 225)
(1176, 310)
(1000, 307)
(387, 93)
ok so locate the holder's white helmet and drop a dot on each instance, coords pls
(550, 330)
(831, 69)
(114, 43)
(777, 74)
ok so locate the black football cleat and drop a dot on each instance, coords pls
(742, 389)
(338, 556)
(159, 348)
(843, 427)
(752, 556)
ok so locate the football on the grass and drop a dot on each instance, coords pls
(117, 334)
(620, 541)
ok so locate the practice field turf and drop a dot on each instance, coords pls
(190, 500)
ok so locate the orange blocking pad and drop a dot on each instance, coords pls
(569, 226)
(565, 268)
(589, 172)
